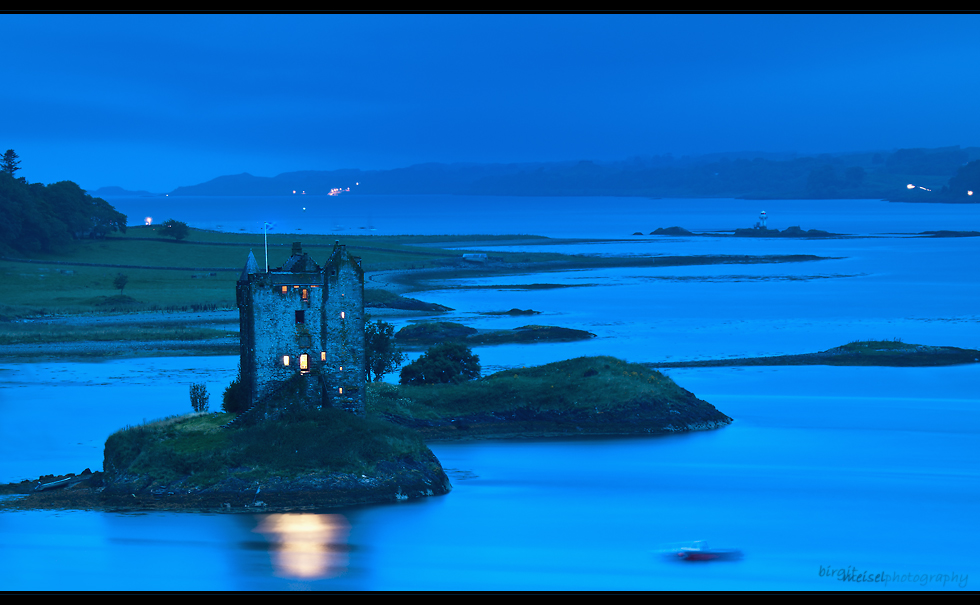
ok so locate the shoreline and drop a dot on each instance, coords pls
(309, 492)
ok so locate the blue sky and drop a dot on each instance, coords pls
(159, 101)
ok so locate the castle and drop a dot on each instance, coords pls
(304, 320)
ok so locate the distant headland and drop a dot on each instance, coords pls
(936, 175)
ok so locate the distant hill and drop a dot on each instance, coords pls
(750, 175)
(421, 178)
(119, 192)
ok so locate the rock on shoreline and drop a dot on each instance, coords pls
(392, 482)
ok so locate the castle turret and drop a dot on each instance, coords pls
(307, 321)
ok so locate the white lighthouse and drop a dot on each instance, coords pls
(762, 219)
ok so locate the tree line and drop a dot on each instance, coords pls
(46, 218)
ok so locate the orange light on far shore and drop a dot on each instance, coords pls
(148, 220)
(910, 186)
(969, 193)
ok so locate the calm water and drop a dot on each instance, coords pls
(869, 469)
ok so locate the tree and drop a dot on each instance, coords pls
(10, 163)
(120, 282)
(449, 362)
(199, 397)
(175, 229)
(382, 355)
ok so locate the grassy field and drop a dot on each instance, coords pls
(34, 333)
(199, 272)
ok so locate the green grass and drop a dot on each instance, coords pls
(31, 333)
(306, 440)
(871, 347)
(588, 383)
(201, 271)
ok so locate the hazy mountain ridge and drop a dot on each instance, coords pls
(746, 174)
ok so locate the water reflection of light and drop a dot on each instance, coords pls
(307, 545)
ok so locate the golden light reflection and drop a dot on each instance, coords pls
(307, 545)
(148, 220)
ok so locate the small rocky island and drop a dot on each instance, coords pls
(889, 353)
(757, 231)
(583, 396)
(431, 332)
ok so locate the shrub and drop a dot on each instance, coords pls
(235, 398)
(199, 397)
(450, 362)
(175, 229)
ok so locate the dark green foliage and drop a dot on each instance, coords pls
(10, 163)
(175, 229)
(382, 355)
(235, 398)
(199, 397)
(450, 362)
(39, 218)
(120, 282)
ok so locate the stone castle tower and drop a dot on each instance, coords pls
(304, 320)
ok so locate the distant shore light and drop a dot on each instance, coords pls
(910, 186)
(149, 219)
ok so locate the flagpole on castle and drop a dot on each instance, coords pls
(265, 228)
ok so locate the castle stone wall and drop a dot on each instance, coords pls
(314, 312)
